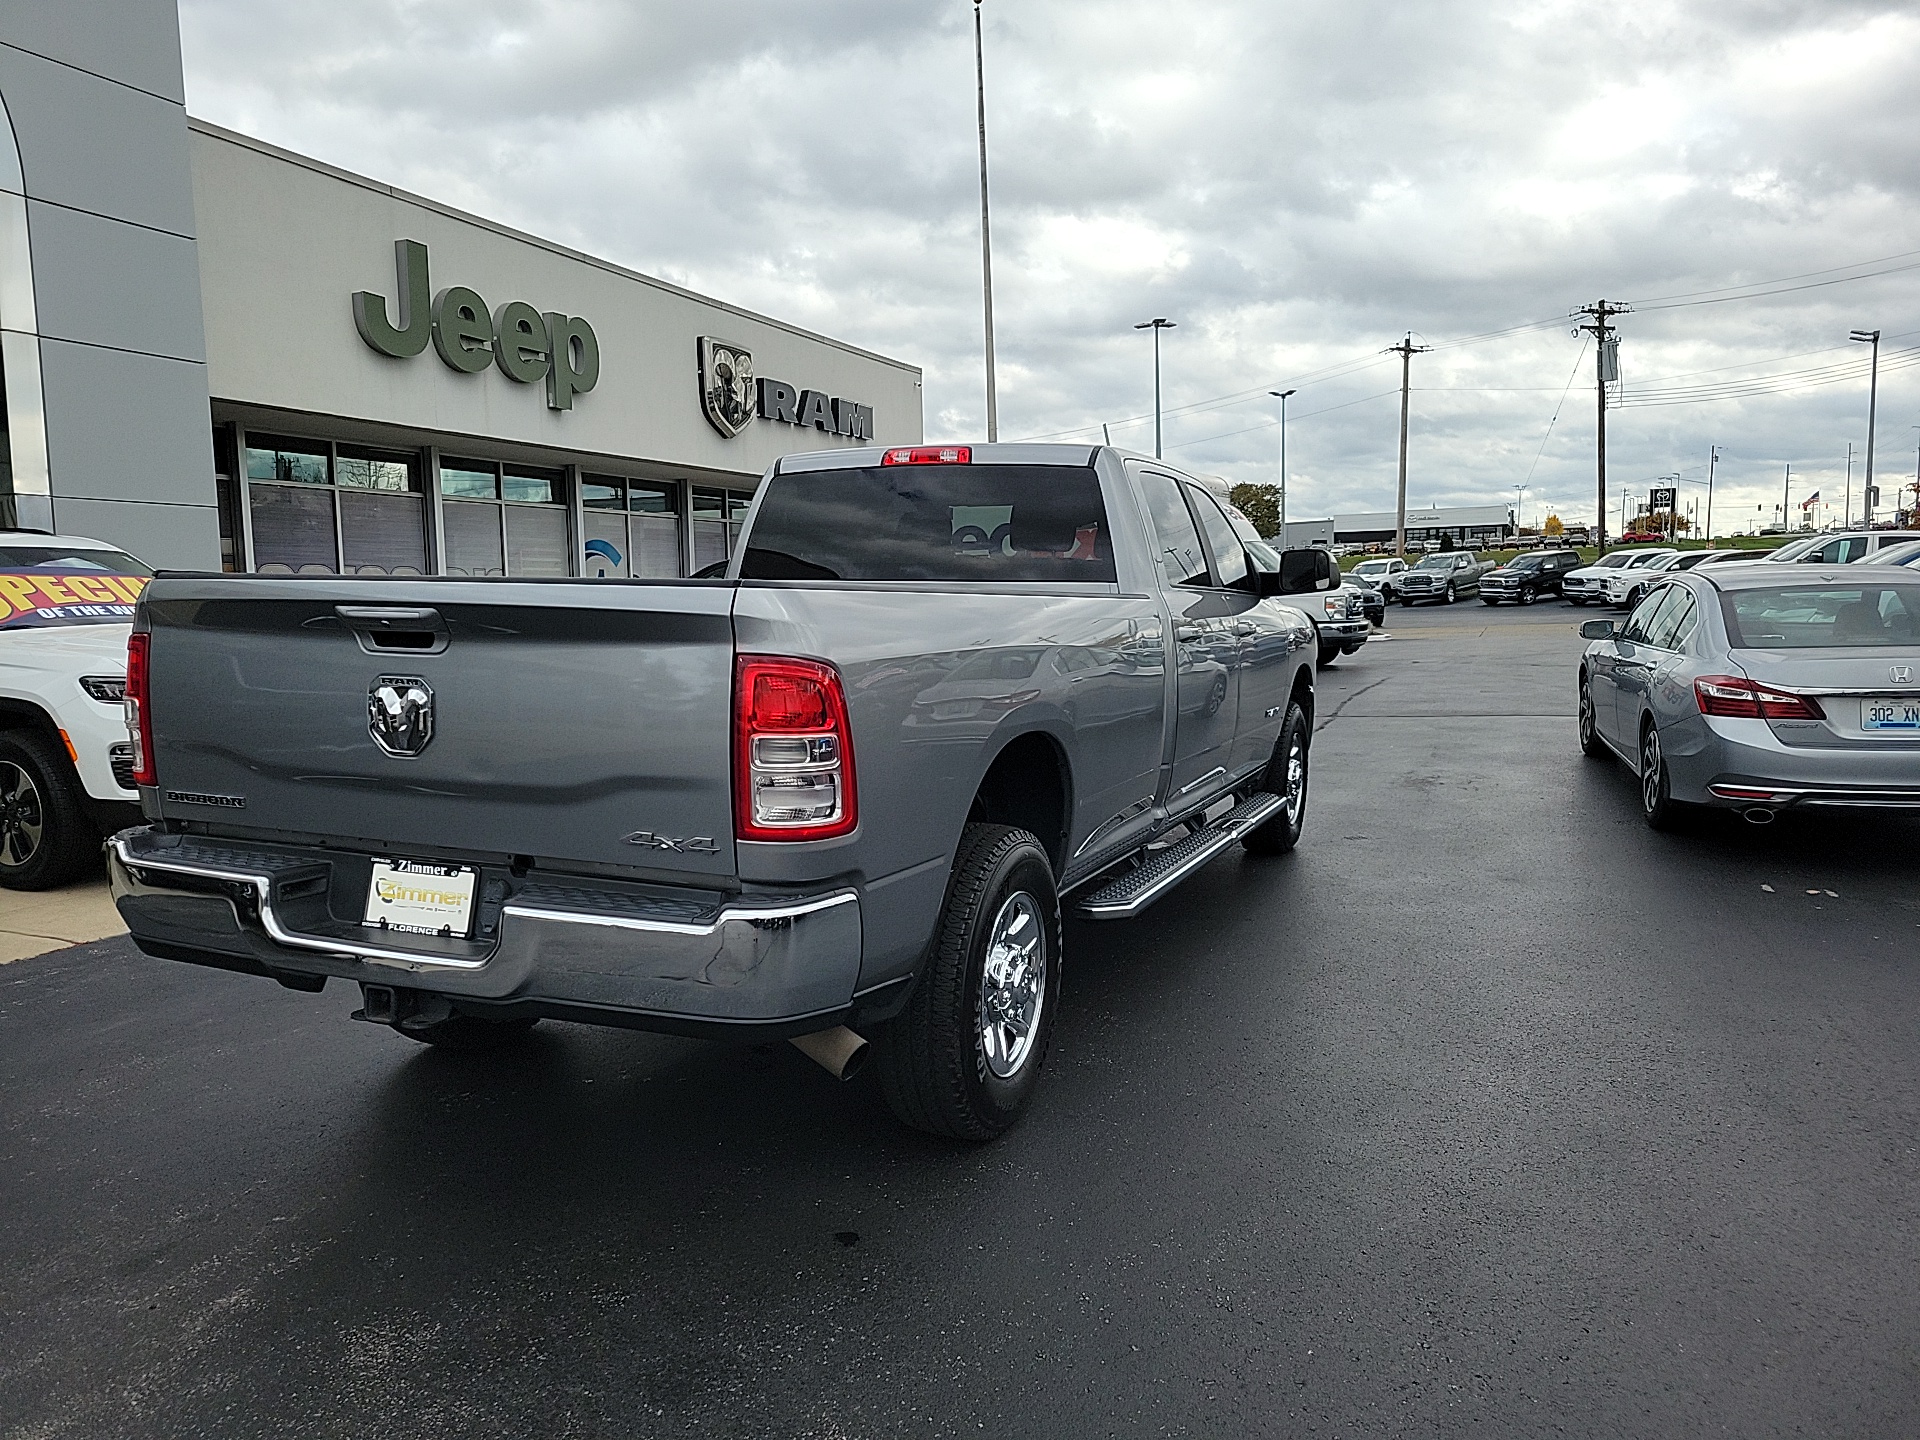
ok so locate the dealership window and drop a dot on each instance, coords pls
(717, 515)
(324, 509)
(503, 519)
(630, 528)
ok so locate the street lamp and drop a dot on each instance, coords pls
(1281, 396)
(1873, 400)
(986, 239)
(1156, 326)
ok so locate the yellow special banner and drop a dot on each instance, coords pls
(50, 596)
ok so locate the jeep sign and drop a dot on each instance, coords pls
(524, 343)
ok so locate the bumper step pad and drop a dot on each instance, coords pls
(1133, 891)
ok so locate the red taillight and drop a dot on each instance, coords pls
(139, 712)
(793, 752)
(1741, 698)
(929, 455)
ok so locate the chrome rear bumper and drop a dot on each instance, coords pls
(559, 945)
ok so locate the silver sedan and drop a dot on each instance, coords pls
(1747, 688)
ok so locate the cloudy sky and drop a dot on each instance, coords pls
(1297, 185)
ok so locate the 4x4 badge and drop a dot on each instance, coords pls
(691, 845)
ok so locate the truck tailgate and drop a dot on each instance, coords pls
(580, 721)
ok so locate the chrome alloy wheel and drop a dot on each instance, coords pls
(1652, 781)
(1296, 778)
(1013, 985)
(23, 816)
(1586, 713)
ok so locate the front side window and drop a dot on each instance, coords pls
(1666, 620)
(1640, 623)
(1823, 617)
(975, 523)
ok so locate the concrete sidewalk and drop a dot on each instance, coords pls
(34, 922)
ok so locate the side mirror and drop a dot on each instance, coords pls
(1305, 571)
(1597, 630)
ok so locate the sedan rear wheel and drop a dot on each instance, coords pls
(1657, 804)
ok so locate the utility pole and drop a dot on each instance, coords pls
(1713, 462)
(1786, 496)
(986, 236)
(1606, 367)
(1156, 326)
(1846, 516)
(1281, 396)
(1406, 350)
(1873, 400)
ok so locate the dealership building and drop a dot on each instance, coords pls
(1457, 527)
(218, 353)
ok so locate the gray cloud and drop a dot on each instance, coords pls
(1296, 184)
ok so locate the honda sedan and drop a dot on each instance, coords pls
(1746, 688)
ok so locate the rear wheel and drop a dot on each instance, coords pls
(1286, 776)
(963, 1059)
(1657, 804)
(46, 838)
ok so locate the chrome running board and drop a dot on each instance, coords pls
(1128, 894)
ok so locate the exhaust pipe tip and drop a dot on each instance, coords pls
(1758, 815)
(840, 1052)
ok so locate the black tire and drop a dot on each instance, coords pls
(1576, 600)
(1282, 832)
(469, 1032)
(1591, 745)
(1485, 601)
(1527, 596)
(1327, 655)
(1352, 647)
(46, 835)
(933, 1061)
(1407, 600)
(1657, 805)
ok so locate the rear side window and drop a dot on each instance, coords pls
(1179, 541)
(975, 523)
(1819, 617)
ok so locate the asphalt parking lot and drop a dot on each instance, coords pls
(1489, 1112)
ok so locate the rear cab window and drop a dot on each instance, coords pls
(46, 585)
(972, 523)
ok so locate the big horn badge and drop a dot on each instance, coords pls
(726, 385)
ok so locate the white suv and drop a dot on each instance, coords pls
(66, 768)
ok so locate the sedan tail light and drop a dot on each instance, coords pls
(138, 711)
(793, 753)
(1739, 697)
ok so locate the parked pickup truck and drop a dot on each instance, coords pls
(840, 793)
(1444, 577)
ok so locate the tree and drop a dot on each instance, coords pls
(1261, 505)
(1553, 527)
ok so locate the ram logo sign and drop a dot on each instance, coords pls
(731, 395)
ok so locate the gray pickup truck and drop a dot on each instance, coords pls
(839, 794)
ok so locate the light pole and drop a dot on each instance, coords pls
(1713, 462)
(1281, 396)
(1156, 325)
(1519, 495)
(1873, 400)
(986, 238)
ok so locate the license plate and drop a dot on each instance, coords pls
(1890, 714)
(421, 899)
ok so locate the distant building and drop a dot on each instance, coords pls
(1465, 526)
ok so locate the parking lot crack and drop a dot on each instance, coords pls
(1348, 701)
